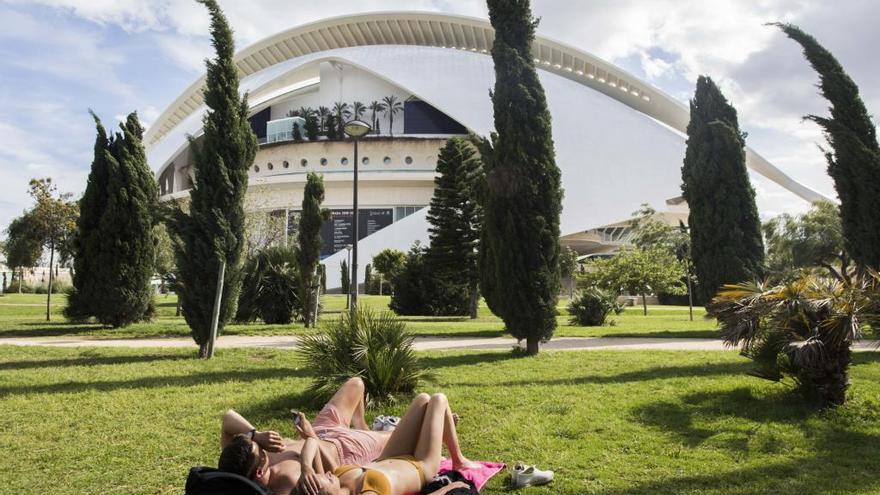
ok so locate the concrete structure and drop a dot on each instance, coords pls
(619, 141)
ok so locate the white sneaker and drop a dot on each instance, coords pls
(529, 476)
(379, 423)
(391, 423)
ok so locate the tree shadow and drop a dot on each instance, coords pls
(458, 334)
(836, 452)
(89, 361)
(451, 360)
(196, 379)
(667, 334)
(49, 329)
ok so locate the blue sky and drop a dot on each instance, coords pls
(58, 58)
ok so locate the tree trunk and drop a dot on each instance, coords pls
(828, 380)
(49, 292)
(474, 299)
(645, 303)
(20, 278)
(177, 310)
(381, 280)
(533, 345)
(203, 350)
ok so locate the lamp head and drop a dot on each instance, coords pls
(356, 128)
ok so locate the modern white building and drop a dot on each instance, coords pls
(619, 141)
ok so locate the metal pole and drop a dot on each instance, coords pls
(215, 318)
(354, 256)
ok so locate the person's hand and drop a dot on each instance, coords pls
(309, 484)
(304, 428)
(269, 440)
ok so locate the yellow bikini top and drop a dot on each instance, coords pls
(374, 481)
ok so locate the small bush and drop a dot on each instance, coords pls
(592, 306)
(269, 287)
(375, 347)
(419, 291)
(25, 288)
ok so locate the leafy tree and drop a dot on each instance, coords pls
(420, 291)
(802, 329)
(636, 271)
(568, 265)
(519, 245)
(53, 223)
(211, 233)
(297, 133)
(311, 126)
(116, 249)
(23, 247)
(309, 241)
(854, 158)
(800, 242)
(725, 230)
(368, 278)
(392, 107)
(388, 262)
(456, 219)
(376, 108)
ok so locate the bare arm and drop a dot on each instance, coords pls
(233, 424)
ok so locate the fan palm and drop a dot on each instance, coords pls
(357, 110)
(392, 106)
(342, 112)
(323, 112)
(802, 329)
(305, 112)
(376, 107)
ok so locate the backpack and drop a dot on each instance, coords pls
(449, 477)
(207, 481)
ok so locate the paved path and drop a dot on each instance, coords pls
(421, 343)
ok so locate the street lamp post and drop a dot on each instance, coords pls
(348, 293)
(355, 129)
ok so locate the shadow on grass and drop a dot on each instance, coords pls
(839, 459)
(196, 379)
(279, 407)
(457, 334)
(670, 334)
(48, 329)
(446, 361)
(88, 361)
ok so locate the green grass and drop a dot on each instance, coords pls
(24, 316)
(123, 421)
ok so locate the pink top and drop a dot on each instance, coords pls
(357, 447)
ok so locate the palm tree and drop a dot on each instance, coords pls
(323, 112)
(357, 109)
(377, 108)
(392, 106)
(305, 112)
(803, 329)
(342, 112)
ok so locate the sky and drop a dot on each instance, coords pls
(60, 58)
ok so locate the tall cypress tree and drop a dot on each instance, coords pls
(309, 240)
(115, 245)
(88, 243)
(522, 201)
(456, 218)
(854, 159)
(725, 230)
(212, 231)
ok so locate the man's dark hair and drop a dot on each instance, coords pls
(238, 457)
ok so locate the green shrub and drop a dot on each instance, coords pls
(592, 306)
(373, 346)
(57, 288)
(25, 287)
(269, 287)
(419, 291)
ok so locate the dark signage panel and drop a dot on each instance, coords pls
(338, 232)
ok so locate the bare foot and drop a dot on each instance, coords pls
(465, 463)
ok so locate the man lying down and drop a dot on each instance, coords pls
(338, 455)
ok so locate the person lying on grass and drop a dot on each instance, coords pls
(411, 457)
(339, 433)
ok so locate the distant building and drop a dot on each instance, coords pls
(619, 141)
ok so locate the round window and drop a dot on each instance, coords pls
(387, 160)
(257, 168)
(270, 166)
(323, 162)
(408, 160)
(344, 161)
(303, 162)
(365, 160)
(286, 164)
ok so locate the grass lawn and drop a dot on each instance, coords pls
(123, 421)
(24, 316)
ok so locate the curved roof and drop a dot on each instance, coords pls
(450, 32)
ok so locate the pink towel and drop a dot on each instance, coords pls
(478, 475)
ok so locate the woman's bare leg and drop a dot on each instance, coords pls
(403, 439)
(438, 428)
(349, 401)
